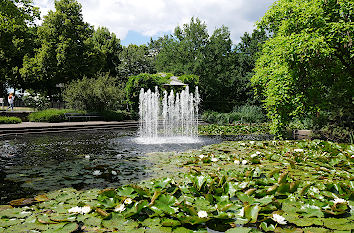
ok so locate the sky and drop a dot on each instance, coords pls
(136, 21)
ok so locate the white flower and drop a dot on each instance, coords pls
(298, 150)
(339, 201)
(242, 212)
(25, 212)
(87, 156)
(244, 162)
(279, 219)
(128, 201)
(243, 144)
(214, 159)
(352, 156)
(253, 155)
(97, 173)
(252, 142)
(120, 208)
(202, 214)
(201, 156)
(258, 153)
(114, 173)
(237, 162)
(80, 210)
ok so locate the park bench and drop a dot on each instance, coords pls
(82, 116)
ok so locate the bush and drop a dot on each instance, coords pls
(49, 115)
(243, 114)
(38, 102)
(116, 115)
(9, 120)
(102, 93)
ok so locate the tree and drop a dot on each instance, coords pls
(307, 65)
(135, 60)
(17, 30)
(108, 47)
(63, 55)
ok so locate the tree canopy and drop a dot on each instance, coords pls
(307, 65)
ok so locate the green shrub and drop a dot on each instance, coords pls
(98, 94)
(250, 114)
(37, 102)
(116, 115)
(9, 120)
(49, 115)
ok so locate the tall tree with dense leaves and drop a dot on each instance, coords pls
(135, 60)
(17, 35)
(108, 47)
(307, 65)
(63, 55)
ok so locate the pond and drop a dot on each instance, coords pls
(31, 164)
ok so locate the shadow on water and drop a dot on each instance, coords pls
(32, 164)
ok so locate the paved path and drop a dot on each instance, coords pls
(44, 127)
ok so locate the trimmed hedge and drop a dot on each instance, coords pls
(9, 120)
(49, 115)
(117, 115)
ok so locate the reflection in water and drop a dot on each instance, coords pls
(97, 159)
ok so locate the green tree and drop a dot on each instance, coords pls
(108, 47)
(307, 65)
(63, 55)
(17, 30)
(135, 60)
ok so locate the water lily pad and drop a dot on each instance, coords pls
(338, 224)
(315, 230)
(239, 230)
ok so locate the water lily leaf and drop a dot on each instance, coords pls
(265, 227)
(165, 204)
(22, 202)
(92, 221)
(4, 207)
(239, 230)
(182, 230)
(46, 220)
(241, 221)
(62, 218)
(311, 211)
(315, 230)
(170, 222)
(9, 222)
(245, 198)
(126, 191)
(41, 198)
(158, 229)
(202, 204)
(67, 228)
(150, 222)
(162, 183)
(338, 223)
(116, 221)
(251, 212)
(193, 220)
(265, 200)
(231, 188)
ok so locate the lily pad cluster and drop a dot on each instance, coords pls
(271, 186)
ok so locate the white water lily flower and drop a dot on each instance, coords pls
(214, 159)
(252, 142)
(128, 201)
(244, 162)
(87, 156)
(258, 153)
(298, 150)
(242, 212)
(25, 212)
(120, 208)
(253, 155)
(114, 173)
(243, 144)
(237, 162)
(80, 210)
(339, 201)
(201, 156)
(97, 173)
(202, 214)
(279, 219)
(307, 206)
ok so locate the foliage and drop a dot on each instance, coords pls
(243, 114)
(38, 102)
(307, 183)
(9, 120)
(16, 39)
(118, 115)
(95, 94)
(223, 70)
(237, 129)
(135, 60)
(49, 115)
(146, 81)
(64, 52)
(106, 48)
(307, 64)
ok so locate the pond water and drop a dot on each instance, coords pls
(32, 164)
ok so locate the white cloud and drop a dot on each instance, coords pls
(154, 17)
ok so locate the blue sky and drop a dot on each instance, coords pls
(135, 21)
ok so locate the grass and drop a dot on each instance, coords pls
(9, 120)
(49, 115)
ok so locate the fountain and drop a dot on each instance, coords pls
(174, 119)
